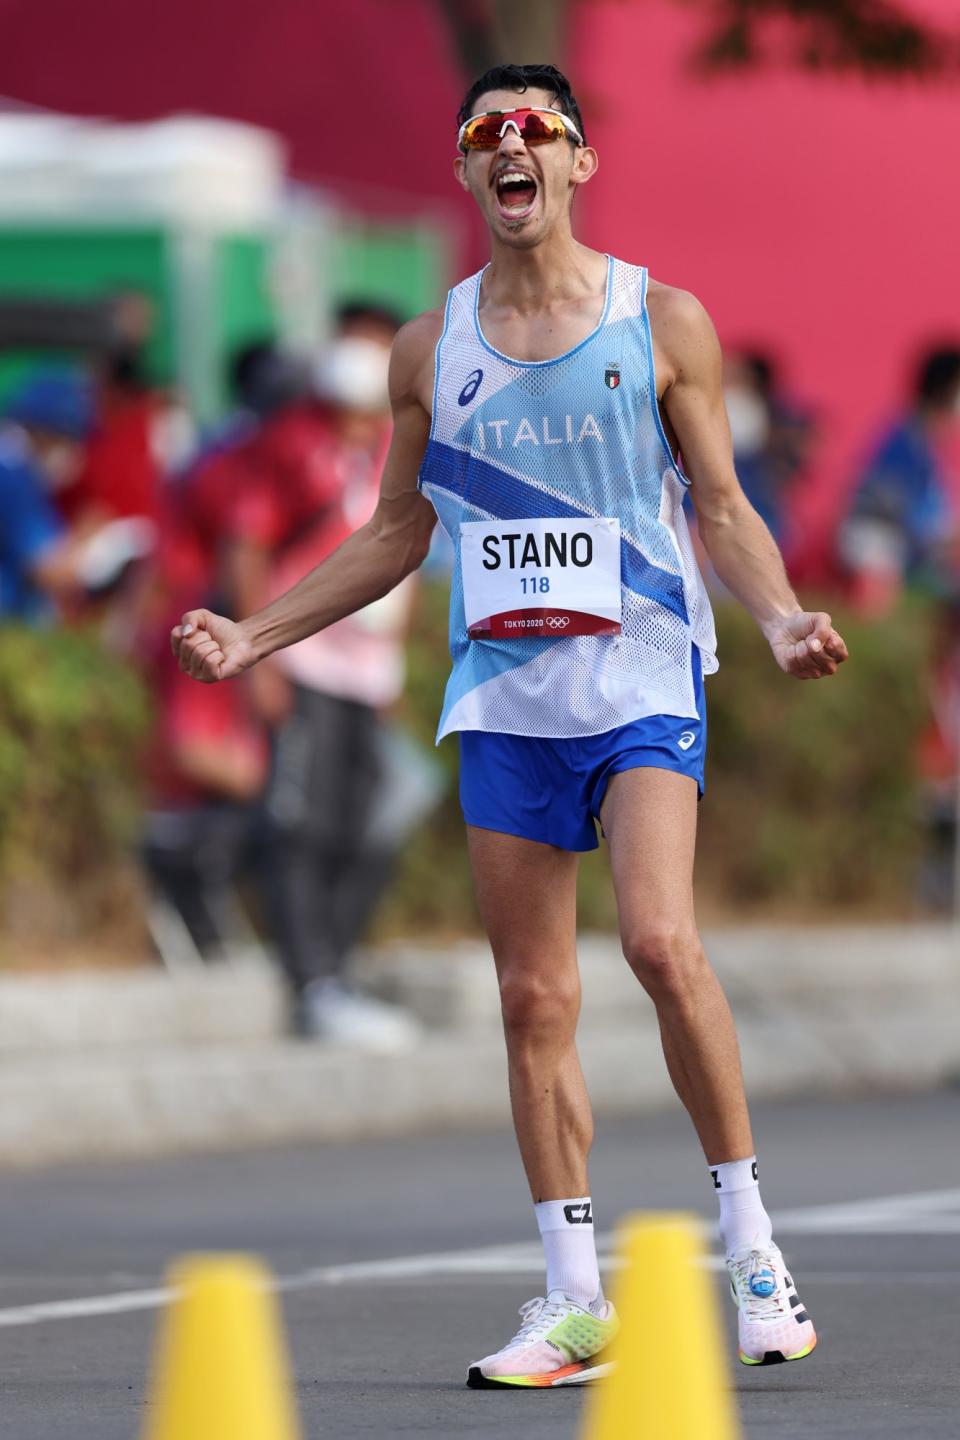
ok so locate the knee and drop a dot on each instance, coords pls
(666, 957)
(535, 1005)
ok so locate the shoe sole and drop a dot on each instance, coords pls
(581, 1374)
(777, 1357)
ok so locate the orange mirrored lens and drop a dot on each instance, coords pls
(538, 126)
(483, 132)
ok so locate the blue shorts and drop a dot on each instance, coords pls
(552, 790)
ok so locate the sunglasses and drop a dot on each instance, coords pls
(534, 127)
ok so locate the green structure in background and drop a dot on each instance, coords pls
(82, 263)
(405, 266)
(212, 292)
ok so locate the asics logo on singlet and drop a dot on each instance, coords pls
(470, 388)
(558, 622)
(686, 739)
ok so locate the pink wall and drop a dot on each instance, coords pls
(326, 75)
(817, 216)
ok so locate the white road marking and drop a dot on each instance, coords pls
(522, 1259)
(935, 1212)
(518, 1259)
(120, 1303)
(928, 1212)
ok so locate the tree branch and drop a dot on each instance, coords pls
(875, 37)
(495, 32)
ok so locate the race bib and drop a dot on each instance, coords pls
(541, 577)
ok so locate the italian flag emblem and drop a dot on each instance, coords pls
(612, 376)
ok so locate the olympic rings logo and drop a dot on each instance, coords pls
(558, 622)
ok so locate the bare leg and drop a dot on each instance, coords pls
(527, 898)
(650, 820)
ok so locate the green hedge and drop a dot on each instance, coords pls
(812, 798)
(71, 719)
(810, 806)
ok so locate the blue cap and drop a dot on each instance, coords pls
(60, 401)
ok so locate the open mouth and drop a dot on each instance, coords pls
(516, 192)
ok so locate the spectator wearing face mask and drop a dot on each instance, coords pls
(771, 435)
(207, 762)
(334, 810)
(904, 518)
(903, 529)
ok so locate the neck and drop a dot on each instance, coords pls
(558, 269)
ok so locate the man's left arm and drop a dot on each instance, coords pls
(741, 548)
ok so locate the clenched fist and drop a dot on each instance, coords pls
(210, 647)
(806, 645)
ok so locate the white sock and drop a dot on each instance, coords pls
(566, 1229)
(744, 1224)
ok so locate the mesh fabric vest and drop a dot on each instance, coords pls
(579, 435)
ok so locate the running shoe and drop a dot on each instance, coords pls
(331, 1011)
(559, 1343)
(772, 1323)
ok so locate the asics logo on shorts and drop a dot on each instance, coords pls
(686, 739)
(558, 622)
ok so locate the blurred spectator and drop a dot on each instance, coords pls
(906, 506)
(40, 445)
(345, 789)
(120, 474)
(196, 501)
(771, 435)
(45, 564)
(138, 431)
(903, 528)
(206, 772)
(939, 764)
(263, 380)
(208, 760)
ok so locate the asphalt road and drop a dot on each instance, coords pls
(381, 1350)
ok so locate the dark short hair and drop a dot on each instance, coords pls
(262, 377)
(938, 374)
(762, 368)
(374, 311)
(521, 78)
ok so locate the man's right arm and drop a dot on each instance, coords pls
(366, 566)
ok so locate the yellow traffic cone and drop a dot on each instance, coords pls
(220, 1369)
(669, 1382)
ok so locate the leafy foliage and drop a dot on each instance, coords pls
(810, 805)
(875, 37)
(811, 798)
(71, 718)
(491, 32)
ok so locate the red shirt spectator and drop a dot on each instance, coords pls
(205, 747)
(309, 484)
(120, 474)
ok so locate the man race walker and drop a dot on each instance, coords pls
(540, 416)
